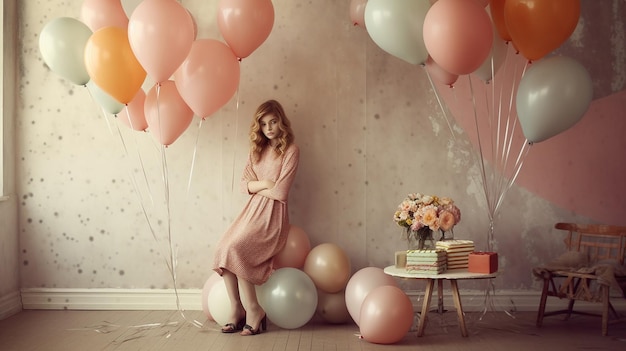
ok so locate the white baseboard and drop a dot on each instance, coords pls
(112, 299)
(10, 304)
(191, 300)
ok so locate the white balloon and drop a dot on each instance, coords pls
(106, 101)
(496, 57)
(552, 96)
(396, 26)
(62, 44)
(289, 298)
(219, 303)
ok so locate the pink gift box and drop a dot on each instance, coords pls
(483, 262)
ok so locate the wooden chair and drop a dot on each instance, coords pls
(603, 246)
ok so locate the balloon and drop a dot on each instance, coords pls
(62, 45)
(161, 33)
(108, 103)
(245, 24)
(552, 96)
(494, 60)
(167, 114)
(288, 297)
(332, 307)
(112, 64)
(496, 8)
(439, 74)
(396, 27)
(103, 13)
(538, 27)
(295, 251)
(458, 35)
(209, 76)
(328, 266)
(206, 289)
(361, 284)
(357, 12)
(133, 115)
(219, 303)
(386, 315)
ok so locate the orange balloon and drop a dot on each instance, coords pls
(538, 27)
(112, 64)
(497, 15)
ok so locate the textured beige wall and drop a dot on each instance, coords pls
(94, 212)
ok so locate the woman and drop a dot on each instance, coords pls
(245, 253)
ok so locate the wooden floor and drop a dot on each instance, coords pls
(171, 330)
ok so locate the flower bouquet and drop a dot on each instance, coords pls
(422, 215)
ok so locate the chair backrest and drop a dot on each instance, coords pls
(599, 241)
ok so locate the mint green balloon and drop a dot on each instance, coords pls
(62, 44)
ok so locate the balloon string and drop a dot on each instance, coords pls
(172, 264)
(480, 149)
(143, 167)
(193, 158)
(439, 101)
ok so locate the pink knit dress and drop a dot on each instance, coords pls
(248, 247)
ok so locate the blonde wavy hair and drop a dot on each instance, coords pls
(258, 141)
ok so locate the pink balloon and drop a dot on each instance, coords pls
(206, 289)
(295, 251)
(160, 33)
(209, 76)
(329, 267)
(133, 116)
(357, 12)
(167, 114)
(361, 284)
(458, 35)
(386, 315)
(439, 74)
(98, 14)
(245, 24)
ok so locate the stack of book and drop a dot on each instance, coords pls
(457, 252)
(426, 261)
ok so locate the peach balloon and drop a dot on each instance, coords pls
(134, 116)
(332, 307)
(160, 33)
(361, 284)
(329, 267)
(167, 114)
(458, 35)
(98, 14)
(357, 12)
(296, 249)
(439, 74)
(209, 77)
(245, 24)
(386, 315)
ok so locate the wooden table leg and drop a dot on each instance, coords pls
(459, 307)
(425, 306)
(440, 296)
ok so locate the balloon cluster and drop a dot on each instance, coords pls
(113, 54)
(309, 280)
(451, 38)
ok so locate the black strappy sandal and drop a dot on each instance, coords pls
(230, 328)
(247, 329)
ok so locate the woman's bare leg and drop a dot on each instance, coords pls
(254, 311)
(232, 288)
